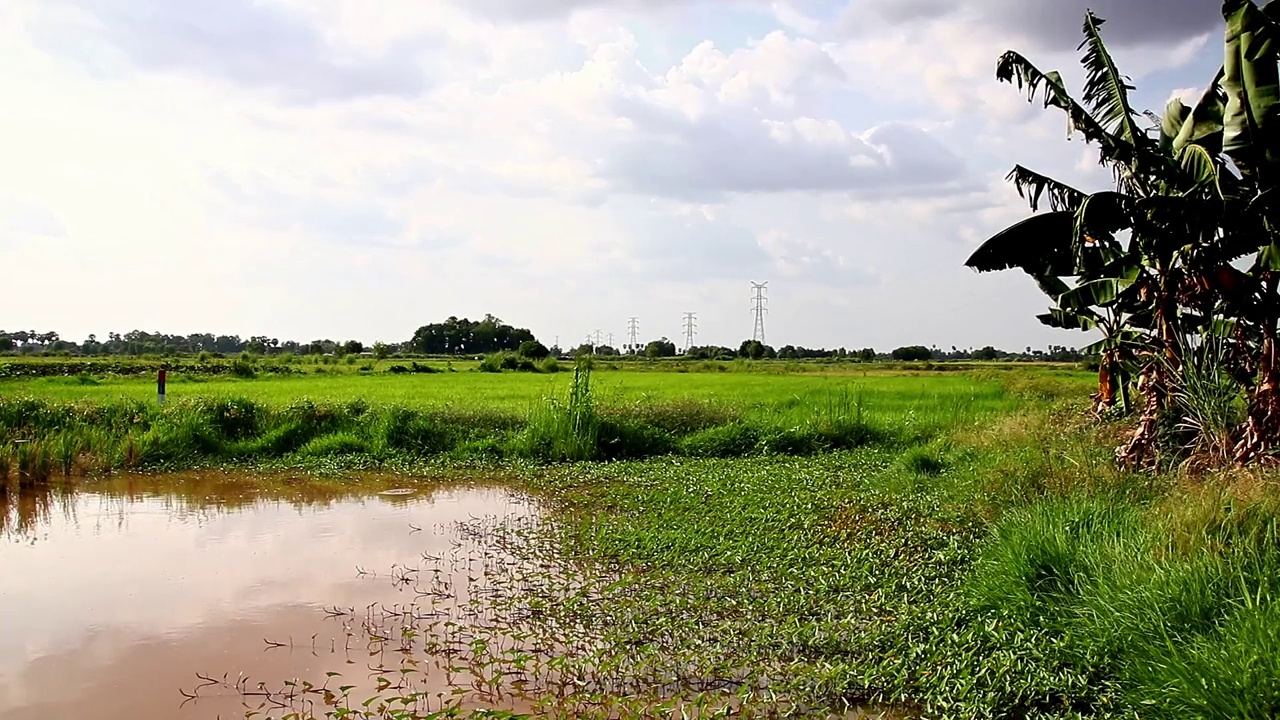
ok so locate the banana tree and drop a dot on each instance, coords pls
(1251, 81)
(1134, 248)
(1117, 350)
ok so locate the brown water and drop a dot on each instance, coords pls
(115, 596)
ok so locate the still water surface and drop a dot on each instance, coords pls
(114, 596)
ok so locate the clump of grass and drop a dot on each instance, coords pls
(334, 445)
(243, 367)
(923, 460)
(232, 418)
(1210, 403)
(723, 441)
(1042, 557)
(563, 429)
(67, 446)
(404, 430)
(1229, 673)
(33, 463)
(178, 438)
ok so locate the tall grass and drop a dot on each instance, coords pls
(1210, 403)
(565, 428)
(577, 423)
(1191, 633)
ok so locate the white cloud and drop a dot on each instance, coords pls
(310, 168)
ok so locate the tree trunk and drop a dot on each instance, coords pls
(1262, 428)
(1142, 450)
(1105, 399)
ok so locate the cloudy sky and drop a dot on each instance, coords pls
(357, 168)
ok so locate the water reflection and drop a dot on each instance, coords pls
(115, 596)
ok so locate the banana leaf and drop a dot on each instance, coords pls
(1039, 245)
(1252, 82)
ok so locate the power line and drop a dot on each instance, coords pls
(633, 329)
(759, 306)
(690, 329)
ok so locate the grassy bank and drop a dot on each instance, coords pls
(482, 417)
(1006, 570)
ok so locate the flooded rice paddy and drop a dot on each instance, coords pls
(211, 595)
(117, 599)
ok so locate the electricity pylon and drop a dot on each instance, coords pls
(690, 329)
(759, 306)
(633, 330)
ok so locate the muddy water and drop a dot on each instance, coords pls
(115, 597)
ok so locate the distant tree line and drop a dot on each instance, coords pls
(481, 337)
(755, 350)
(138, 342)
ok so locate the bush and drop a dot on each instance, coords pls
(913, 353)
(243, 367)
(534, 350)
(504, 361)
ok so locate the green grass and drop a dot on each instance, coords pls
(515, 391)
(927, 577)
(571, 417)
(960, 545)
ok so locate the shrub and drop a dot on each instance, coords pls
(243, 367)
(912, 353)
(533, 349)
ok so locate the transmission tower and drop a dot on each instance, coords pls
(610, 339)
(633, 330)
(690, 329)
(599, 337)
(759, 306)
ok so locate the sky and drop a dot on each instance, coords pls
(342, 169)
